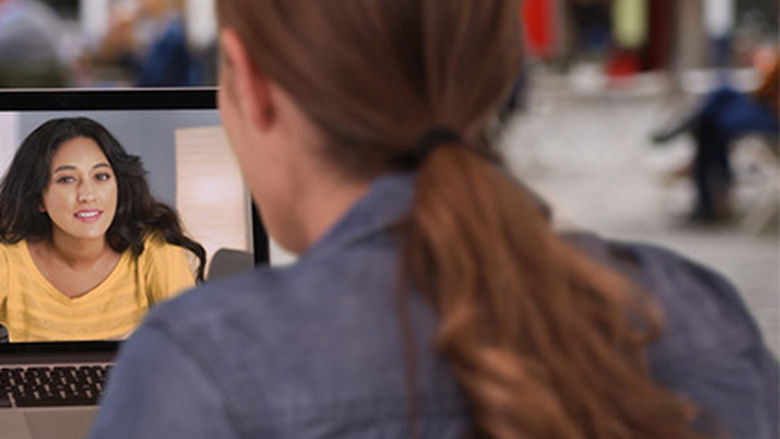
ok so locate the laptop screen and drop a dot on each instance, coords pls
(189, 167)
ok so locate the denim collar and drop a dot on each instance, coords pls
(387, 203)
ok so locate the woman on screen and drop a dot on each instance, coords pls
(85, 250)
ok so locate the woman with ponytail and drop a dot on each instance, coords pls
(431, 298)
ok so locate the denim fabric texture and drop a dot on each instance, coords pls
(314, 350)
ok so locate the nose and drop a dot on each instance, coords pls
(86, 193)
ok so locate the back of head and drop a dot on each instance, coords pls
(536, 333)
(391, 69)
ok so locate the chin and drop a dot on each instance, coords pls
(91, 235)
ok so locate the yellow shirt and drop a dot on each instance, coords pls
(34, 310)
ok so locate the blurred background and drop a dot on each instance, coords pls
(172, 42)
(107, 43)
(649, 120)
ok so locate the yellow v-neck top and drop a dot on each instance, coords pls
(34, 310)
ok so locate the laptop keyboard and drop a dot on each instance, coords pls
(52, 386)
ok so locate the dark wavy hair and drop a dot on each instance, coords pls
(138, 213)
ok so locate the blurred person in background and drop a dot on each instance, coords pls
(591, 22)
(431, 298)
(148, 38)
(30, 55)
(723, 116)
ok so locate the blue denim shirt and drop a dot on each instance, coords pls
(314, 350)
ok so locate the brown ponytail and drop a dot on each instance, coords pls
(538, 335)
(544, 342)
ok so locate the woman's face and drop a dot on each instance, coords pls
(81, 195)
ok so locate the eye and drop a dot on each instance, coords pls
(65, 179)
(103, 176)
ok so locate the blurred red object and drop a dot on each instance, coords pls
(622, 64)
(539, 19)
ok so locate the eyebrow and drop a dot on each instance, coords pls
(72, 168)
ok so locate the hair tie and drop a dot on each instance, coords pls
(432, 139)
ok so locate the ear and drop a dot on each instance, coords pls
(246, 86)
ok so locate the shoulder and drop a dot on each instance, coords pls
(164, 371)
(202, 312)
(289, 324)
(704, 314)
(268, 306)
(156, 247)
(10, 252)
(710, 348)
(9, 248)
(168, 267)
(222, 321)
(13, 264)
(317, 288)
(155, 240)
(5, 250)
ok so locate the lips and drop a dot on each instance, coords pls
(88, 215)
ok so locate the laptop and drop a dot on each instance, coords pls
(50, 389)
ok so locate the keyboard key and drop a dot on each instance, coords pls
(53, 402)
(48, 387)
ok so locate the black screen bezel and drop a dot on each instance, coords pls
(194, 98)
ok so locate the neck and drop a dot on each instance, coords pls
(77, 252)
(325, 202)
